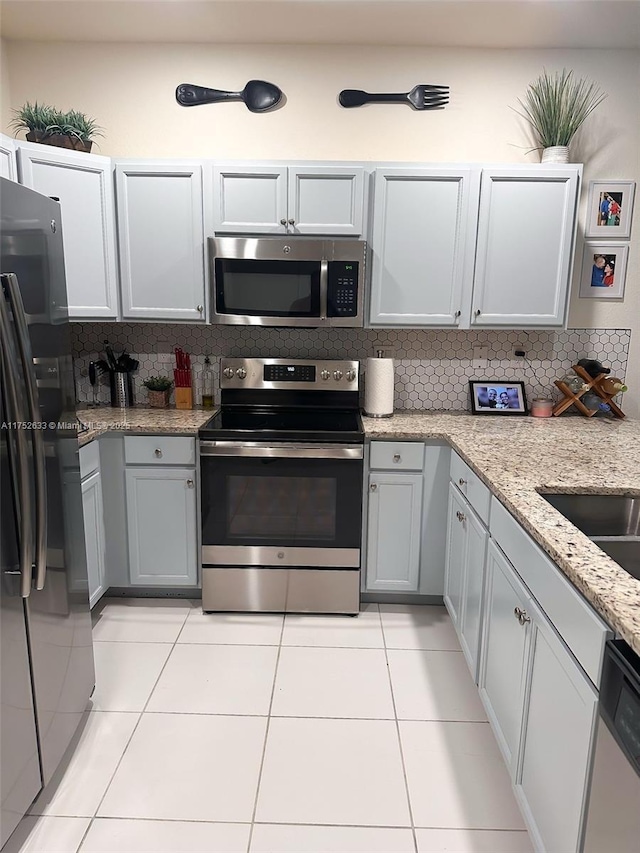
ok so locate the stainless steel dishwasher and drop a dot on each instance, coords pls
(613, 819)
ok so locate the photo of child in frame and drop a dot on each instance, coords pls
(610, 208)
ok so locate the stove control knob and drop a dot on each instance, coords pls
(228, 372)
(324, 374)
(241, 373)
(351, 375)
(337, 375)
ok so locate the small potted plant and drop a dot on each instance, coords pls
(158, 389)
(50, 126)
(556, 105)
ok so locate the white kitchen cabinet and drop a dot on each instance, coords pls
(422, 246)
(8, 164)
(393, 542)
(272, 199)
(464, 574)
(505, 650)
(162, 525)
(525, 246)
(558, 730)
(94, 535)
(83, 185)
(161, 240)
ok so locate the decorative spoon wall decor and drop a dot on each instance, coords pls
(258, 95)
(422, 97)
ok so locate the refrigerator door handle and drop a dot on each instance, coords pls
(10, 280)
(21, 469)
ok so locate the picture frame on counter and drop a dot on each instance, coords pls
(604, 270)
(610, 209)
(497, 397)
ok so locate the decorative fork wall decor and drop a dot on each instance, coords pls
(423, 97)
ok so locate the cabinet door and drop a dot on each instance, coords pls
(477, 537)
(83, 184)
(326, 201)
(456, 557)
(161, 240)
(556, 751)
(526, 233)
(93, 512)
(395, 511)
(161, 518)
(8, 165)
(505, 648)
(250, 199)
(422, 247)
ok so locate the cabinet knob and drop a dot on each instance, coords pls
(397, 457)
(461, 516)
(462, 482)
(200, 308)
(292, 222)
(477, 312)
(283, 222)
(521, 615)
(281, 555)
(158, 452)
(190, 484)
(457, 314)
(374, 487)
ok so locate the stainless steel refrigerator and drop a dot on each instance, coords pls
(46, 671)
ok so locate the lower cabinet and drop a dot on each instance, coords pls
(162, 525)
(94, 535)
(464, 574)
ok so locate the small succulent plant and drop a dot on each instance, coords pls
(158, 383)
(49, 121)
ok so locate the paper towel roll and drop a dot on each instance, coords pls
(378, 390)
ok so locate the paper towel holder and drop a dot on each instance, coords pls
(379, 354)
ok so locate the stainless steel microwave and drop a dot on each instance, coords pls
(284, 281)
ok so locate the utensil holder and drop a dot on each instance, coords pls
(184, 398)
(121, 386)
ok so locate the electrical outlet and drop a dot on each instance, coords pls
(165, 358)
(480, 357)
(519, 352)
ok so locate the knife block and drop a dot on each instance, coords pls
(184, 398)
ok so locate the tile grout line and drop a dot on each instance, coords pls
(395, 711)
(266, 736)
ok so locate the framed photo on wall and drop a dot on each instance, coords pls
(497, 397)
(609, 209)
(604, 268)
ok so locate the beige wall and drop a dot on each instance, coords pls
(129, 89)
(5, 97)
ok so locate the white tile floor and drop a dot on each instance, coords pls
(271, 734)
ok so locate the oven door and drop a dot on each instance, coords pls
(281, 505)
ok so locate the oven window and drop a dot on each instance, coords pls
(289, 502)
(268, 288)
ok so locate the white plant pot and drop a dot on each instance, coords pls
(556, 154)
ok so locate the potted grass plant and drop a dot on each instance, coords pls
(50, 126)
(556, 106)
(158, 389)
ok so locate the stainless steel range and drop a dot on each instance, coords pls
(281, 477)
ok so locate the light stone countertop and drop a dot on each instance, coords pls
(141, 421)
(519, 456)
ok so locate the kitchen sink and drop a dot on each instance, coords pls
(611, 521)
(599, 515)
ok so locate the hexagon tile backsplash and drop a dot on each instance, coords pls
(433, 366)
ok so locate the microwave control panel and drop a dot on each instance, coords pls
(342, 289)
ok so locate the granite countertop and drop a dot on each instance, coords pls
(517, 457)
(141, 421)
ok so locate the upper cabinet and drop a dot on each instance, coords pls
(422, 246)
(288, 200)
(526, 231)
(451, 250)
(8, 166)
(83, 185)
(161, 241)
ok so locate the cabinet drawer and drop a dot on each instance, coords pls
(89, 459)
(159, 450)
(471, 486)
(573, 618)
(397, 455)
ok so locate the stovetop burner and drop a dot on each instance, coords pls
(306, 424)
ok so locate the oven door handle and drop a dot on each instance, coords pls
(285, 450)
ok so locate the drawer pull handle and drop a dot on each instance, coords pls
(461, 516)
(158, 452)
(374, 487)
(190, 484)
(397, 457)
(462, 482)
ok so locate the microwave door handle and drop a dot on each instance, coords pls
(33, 415)
(20, 465)
(324, 288)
